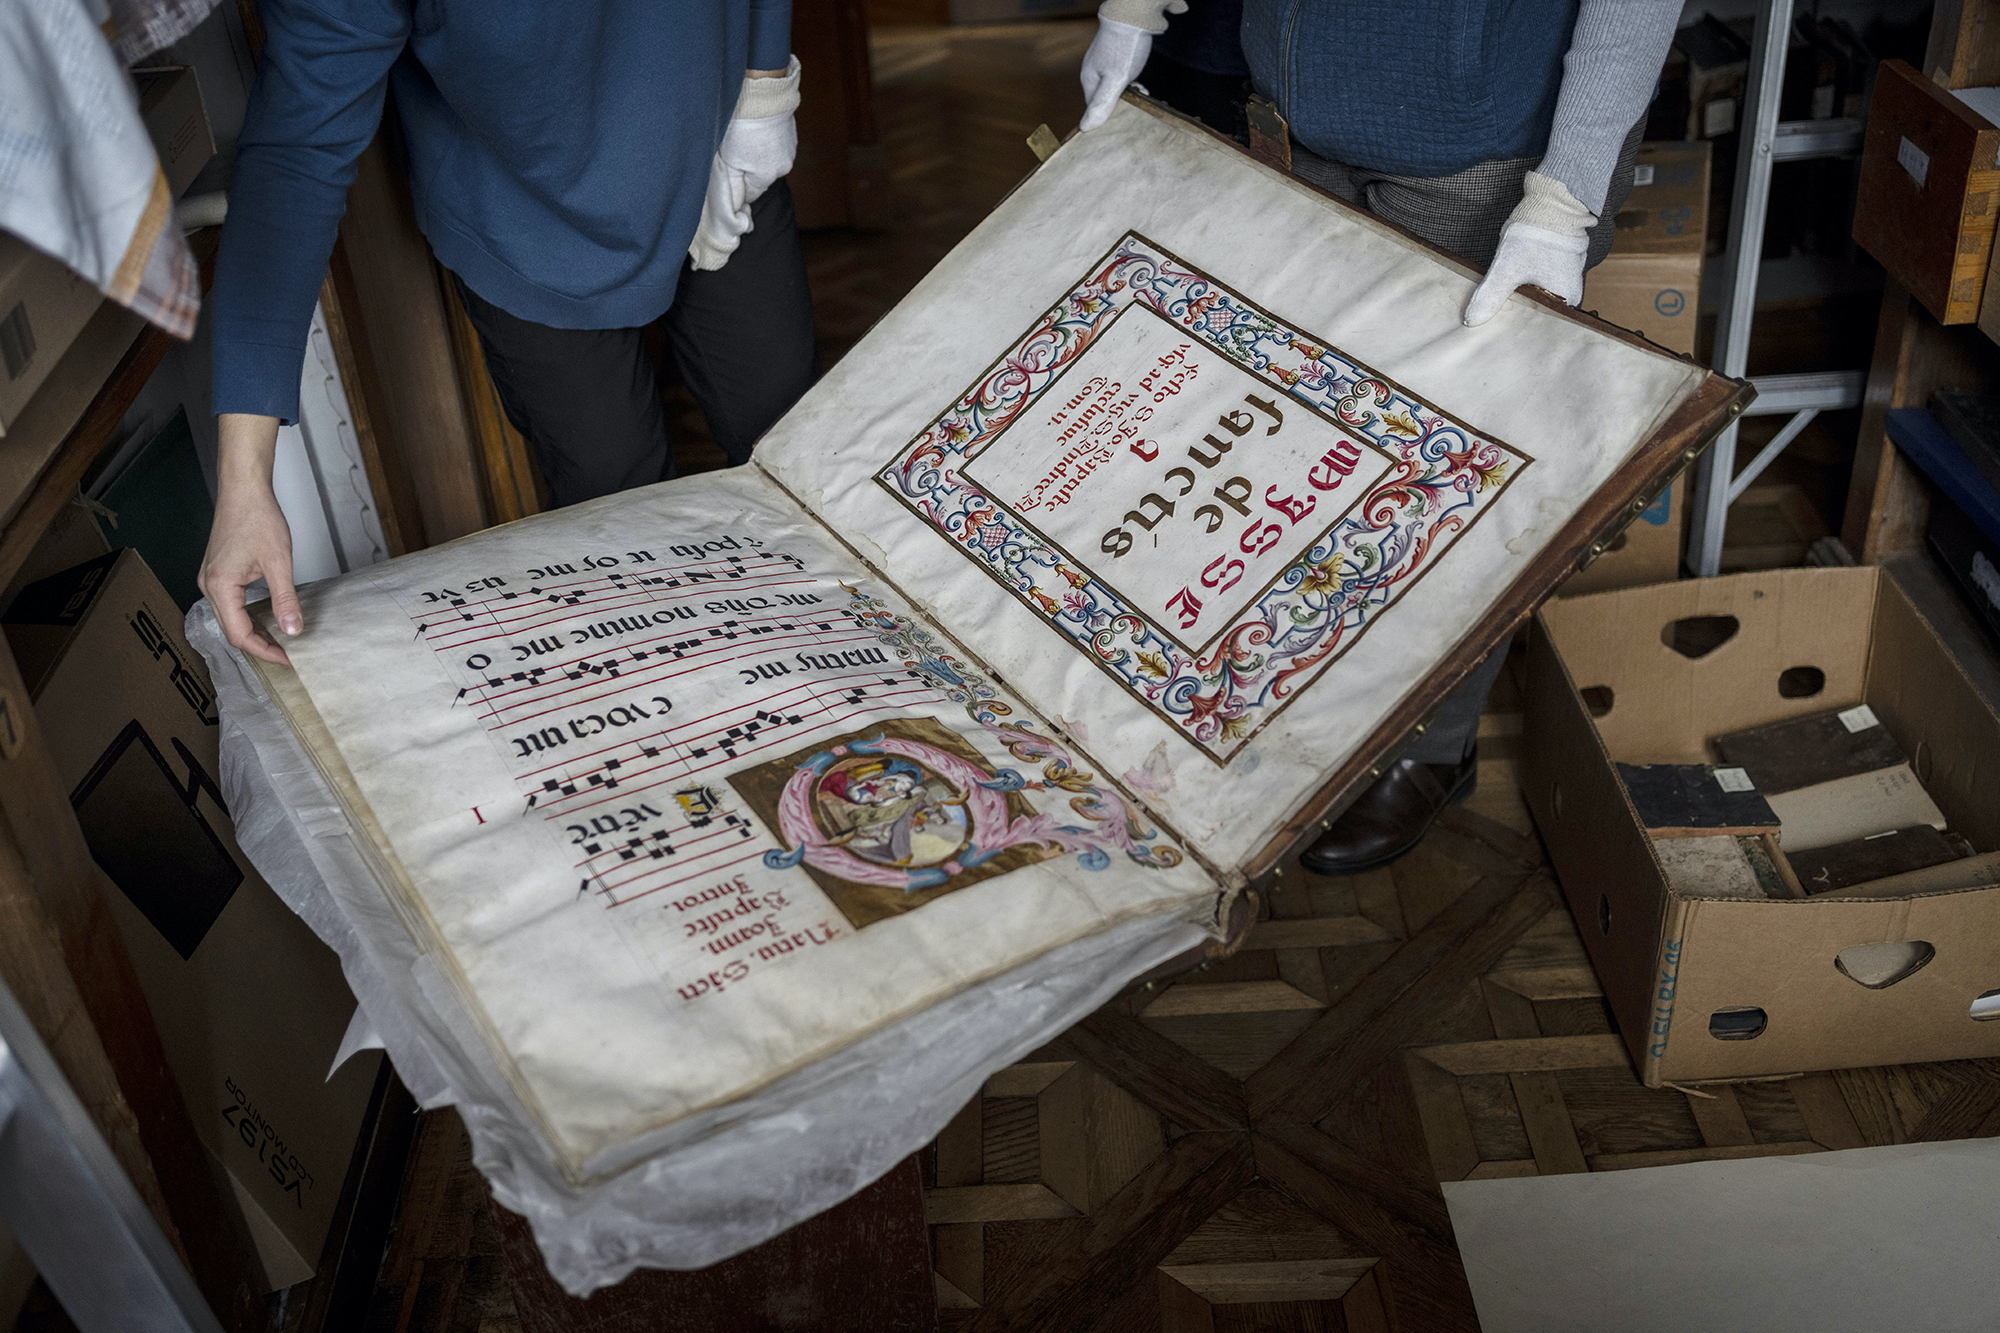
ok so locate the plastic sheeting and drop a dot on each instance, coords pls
(726, 1179)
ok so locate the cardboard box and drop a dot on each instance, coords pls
(1651, 283)
(176, 121)
(43, 306)
(251, 1006)
(1651, 280)
(1706, 988)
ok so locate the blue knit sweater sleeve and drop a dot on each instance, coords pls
(315, 106)
(770, 34)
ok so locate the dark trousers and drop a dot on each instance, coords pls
(588, 400)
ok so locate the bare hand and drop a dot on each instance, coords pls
(250, 540)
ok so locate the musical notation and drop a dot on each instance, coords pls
(619, 696)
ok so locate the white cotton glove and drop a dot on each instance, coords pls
(757, 149)
(1115, 57)
(1125, 33)
(1544, 242)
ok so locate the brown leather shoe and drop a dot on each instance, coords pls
(1392, 816)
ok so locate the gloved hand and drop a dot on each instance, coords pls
(1115, 57)
(1125, 32)
(1544, 242)
(757, 149)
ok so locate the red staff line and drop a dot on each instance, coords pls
(742, 751)
(599, 577)
(697, 630)
(682, 774)
(616, 600)
(663, 733)
(653, 865)
(542, 603)
(670, 739)
(568, 610)
(642, 674)
(711, 870)
(625, 682)
(814, 691)
(639, 669)
(636, 779)
(638, 741)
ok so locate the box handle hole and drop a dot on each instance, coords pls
(1883, 964)
(1986, 1007)
(1800, 682)
(1698, 636)
(1598, 699)
(1737, 1024)
(1604, 913)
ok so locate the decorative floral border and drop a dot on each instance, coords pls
(1445, 476)
(1110, 824)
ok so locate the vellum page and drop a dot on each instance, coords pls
(1232, 473)
(683, 799)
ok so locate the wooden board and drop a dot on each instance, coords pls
(1716, 866)
(1929, 185)
(1846, 863)
(1692, 801)
(1801, 751)
(1857, 806)
(860, 1267)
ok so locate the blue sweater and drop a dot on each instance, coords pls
(558, 156)
(1412, 87)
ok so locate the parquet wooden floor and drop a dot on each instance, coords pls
(1259, 1146)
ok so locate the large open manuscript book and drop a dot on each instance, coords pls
(1104, 567)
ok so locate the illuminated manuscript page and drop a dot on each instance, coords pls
(1206, 465)
(681, 799)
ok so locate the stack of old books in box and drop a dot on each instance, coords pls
(1821, 804)
(1773, 803)
(1825, 803)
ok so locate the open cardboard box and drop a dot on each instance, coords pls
(1651, 282)
(251, 1006)
(1670, 962)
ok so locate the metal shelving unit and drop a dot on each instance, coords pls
(73, 1209)
(1766, 141)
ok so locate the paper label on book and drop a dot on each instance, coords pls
(1914, 160)
(1210, 505)
(1859, 718)
(1734, 779)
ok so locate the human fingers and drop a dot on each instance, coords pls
(250, 540)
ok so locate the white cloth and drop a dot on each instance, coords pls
(757, 149)
(137, 28)
(1545, 242)
(81, 179)
(1116, 55)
